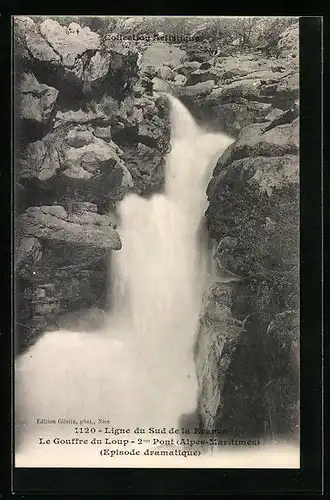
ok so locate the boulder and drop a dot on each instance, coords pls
(79, 136)
(233, 68)
(31, 45)
(186, 68)
(162, 54)
(123, 57)
(90, 160)
(201, 75)
(73, 57)
(252, 141)
(180, 80)
(161, 86)
(154, 131)
(55, 210)
(45, 226)
(198, 52)
(40, 160)
(196, 91)
(265, 241)
(103, 133)
(36, 100)
(245, 89)
(77, 155)
(70, 43)
(231, 117)
(97, 70)
(165, 73)
(287, 91)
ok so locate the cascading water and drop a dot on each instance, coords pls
(139, 370)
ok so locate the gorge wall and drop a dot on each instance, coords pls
(247, 351)
(89, 128)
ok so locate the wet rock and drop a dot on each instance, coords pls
(282, 348)
(83, 320)
(146, 164)
(154, 131)
(219, 333)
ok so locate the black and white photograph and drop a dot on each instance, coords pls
(156, 242)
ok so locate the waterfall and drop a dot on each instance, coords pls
(139, 370)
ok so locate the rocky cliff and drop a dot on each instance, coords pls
(247, 351)
(88, 130)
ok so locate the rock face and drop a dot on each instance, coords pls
(253, 214)
(247, 349)
(89, 130)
